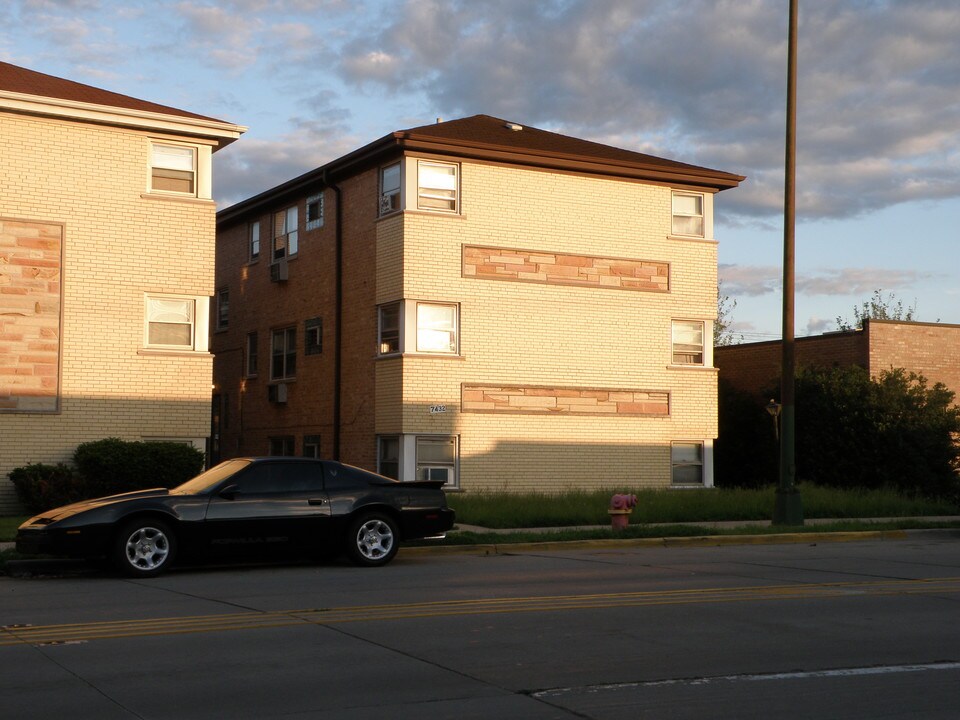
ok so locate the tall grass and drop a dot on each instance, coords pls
(533, 510)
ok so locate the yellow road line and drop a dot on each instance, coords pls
(82, 632)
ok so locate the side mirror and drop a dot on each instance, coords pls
(229, 492)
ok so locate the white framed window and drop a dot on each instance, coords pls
(388, 335)
(687, 342)
(436, 458)
(415, 326)
(688, 214)
(253, 343)
(176, 322)
(254, 240)
(282, 446)
(311, 446)
(390, 178)
(437, 186)
(313, 336)
(437, 328)
(419, 457)
(285, 233)
(315, 211)
(223, 308)
(283, 354)
(686, 462)
(173, 169)
(388, 456)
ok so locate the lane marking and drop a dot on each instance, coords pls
(796, 675)
(76, 632)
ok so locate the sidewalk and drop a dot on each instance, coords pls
(713, 525)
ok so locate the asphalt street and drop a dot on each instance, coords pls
(863, 629)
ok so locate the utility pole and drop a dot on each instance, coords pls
(788, 509)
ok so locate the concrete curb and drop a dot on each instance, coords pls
(665, 542)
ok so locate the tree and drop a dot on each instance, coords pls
(878, 307)
(852, 431)
(893, 430)
(722, 334)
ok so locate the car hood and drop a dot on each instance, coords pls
(67, 510)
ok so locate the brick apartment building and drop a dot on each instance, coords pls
(494, 305)
(106, 269)
(928, 349)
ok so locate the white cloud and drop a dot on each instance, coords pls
(703, 82)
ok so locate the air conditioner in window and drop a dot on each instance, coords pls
(279, 271)
(277, 393)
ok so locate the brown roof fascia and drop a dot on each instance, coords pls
(403, 140)
(34, 93)
(350, 164)
(687, 174)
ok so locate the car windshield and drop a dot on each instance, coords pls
(205, 480)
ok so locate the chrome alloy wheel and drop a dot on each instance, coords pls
(147, 548)
(375, 539)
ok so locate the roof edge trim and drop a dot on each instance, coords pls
(224, 131)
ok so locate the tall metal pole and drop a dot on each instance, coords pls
(788, 509)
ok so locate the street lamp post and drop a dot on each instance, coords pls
(788, 509)
(773, 408)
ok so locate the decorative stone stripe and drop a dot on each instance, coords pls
(538, 400)
(550, 268)
(30, 255)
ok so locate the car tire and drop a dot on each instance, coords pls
(144, 548)
(372, 539)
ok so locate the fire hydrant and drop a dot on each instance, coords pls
(620, 508)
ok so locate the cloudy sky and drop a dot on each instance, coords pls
(700, 81)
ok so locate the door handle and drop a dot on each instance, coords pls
(315, 501)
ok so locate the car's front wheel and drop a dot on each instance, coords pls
(372, 539)
(144, 548)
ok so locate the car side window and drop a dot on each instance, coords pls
(340, 478)
(280, 478)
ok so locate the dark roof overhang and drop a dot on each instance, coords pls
(615, 163)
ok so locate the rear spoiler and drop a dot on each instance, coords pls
(433, 484)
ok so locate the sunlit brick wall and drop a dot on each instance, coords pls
(119, 243)
(555, 335)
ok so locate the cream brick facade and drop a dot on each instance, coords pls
(566, 279)
(90, 177)
(554, 334)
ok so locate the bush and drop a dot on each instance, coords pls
(113, 466)
(746, 453)
(852, 431)
(889, 431)
(41, 487)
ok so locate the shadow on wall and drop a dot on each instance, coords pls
(50, 438)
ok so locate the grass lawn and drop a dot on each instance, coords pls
(533, 510)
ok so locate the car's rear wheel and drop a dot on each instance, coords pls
(144, 548)
(372, 539)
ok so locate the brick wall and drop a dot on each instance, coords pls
(261, 306)
(558, 335)
(929, 349)
(565, 337)
(119, 243)
(754, 367)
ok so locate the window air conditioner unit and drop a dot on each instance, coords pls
(277, 393)
(279, 271)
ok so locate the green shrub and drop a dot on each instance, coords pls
(113, 466)
(41, 487)
(852, 431)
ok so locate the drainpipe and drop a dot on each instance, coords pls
(338, 314)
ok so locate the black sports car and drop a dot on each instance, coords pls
(274, 502)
